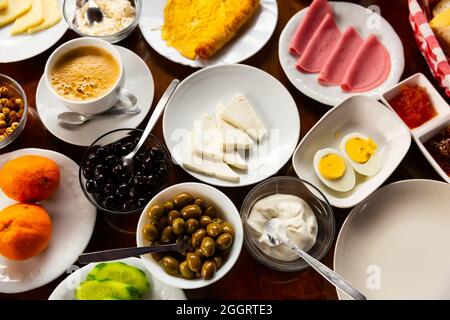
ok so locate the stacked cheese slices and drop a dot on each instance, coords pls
(212, 148)
(29, 16)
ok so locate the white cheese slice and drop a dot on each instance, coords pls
(52, 15)
(242, 115)
(232, 136)
(234, 159)
(15, 9)
(31, 19)
(207, 139)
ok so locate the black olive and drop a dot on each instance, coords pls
(108, 202)
(108, 189)
(142, 202)
(129, 205)
(123, 189)
(117, 169)
(88, 172)
(90, 186)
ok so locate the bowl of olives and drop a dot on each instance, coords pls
(202, 217)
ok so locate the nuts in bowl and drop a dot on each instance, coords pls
(203, 217)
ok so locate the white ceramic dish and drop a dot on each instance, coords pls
(427, 130)
(70, 212)
(247, 42)
(356, 114)
(225, 209)
(203, 90)
(365, 22)
(394, 245)
(138, 80)
(25, 46)
(158, 290)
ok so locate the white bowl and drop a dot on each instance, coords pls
(356, 114)
(226, 210)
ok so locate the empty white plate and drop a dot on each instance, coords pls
(158, 290)
(249, 40)
(24, 46)
(365, 22)
(202, 91)
(73, 218)
(394, 245)
(356, 114)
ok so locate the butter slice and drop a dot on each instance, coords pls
(441, 20)
(52, 15)
(15, 9)
(31, 19)
(3, 4)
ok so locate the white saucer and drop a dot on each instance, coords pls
(365, 22)
(247, 42)
(25, 46)
(158, 290)
(73, 218)
(138, 79)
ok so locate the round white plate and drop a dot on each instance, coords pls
(73, 220)
(365, 22)
(394, 245)
(25, 46)
(138, 79)
(159, 290)
(202, 91)
(252, 38)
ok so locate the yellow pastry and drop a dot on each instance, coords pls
(31, 19)
(3, 4)
(15, 9)
(52, 15)
(200, 28)
(441, 28)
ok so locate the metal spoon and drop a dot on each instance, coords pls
(277, 235)
(128, 159)
(74, 118)
(93, 13)
(115, 254)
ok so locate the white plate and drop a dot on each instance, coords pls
(138, 79)
(356, 114)
(73, 219)
(247, 42)
(203, 90)
(159, 290)
(365, 22)
(395, 244)
(25, 46)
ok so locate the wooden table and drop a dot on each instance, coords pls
(248, 279)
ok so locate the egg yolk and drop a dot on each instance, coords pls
(332, 166)
(360, 150)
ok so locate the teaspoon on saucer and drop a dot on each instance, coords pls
(74, 118)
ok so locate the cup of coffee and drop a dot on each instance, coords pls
(86, 75)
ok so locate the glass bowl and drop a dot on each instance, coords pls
(313, 197)
(12, 84)
(69, 9)
(143, 188)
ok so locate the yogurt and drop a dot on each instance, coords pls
(293, 214)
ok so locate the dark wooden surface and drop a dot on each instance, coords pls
(248, 279)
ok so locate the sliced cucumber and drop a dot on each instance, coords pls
(102, 289)
(121, 272)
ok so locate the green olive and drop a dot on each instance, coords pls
(191, 211)
(204, 221)
(218, 260)
(185, 271)
(161, 223)
(150, 232)
(183, 199)
(198, 251)
(211, 212)
(197, 237)
(174, 214)
(168, 206)
(191, 225)
(218, 220)
(193, 261)
(208, 270)
(178, 226)
(156, 211)
(157, 256)
(200, 202)
(224, 241)
(170, 265)
(214, 229)
(227, 228)
(208, 247)
(167, 235)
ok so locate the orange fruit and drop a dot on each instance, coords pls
(29, 178)
(25, 231)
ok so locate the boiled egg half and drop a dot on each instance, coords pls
(362, 153)
(334, 170)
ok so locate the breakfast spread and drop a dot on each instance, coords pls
(201, 28)
(117, 16)
(439, 148)
(208, 237)
(84, 73)
(11, 111)
(293, 214)
(342, 59)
